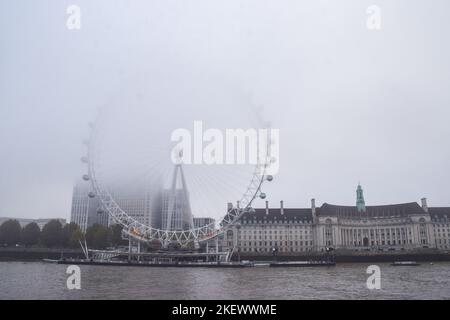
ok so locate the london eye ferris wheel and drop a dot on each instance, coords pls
(194, 190)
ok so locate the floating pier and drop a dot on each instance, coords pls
(186, 264)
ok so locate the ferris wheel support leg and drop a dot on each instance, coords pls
(188, 212)
(171, 204)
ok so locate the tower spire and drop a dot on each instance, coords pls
(360, 203)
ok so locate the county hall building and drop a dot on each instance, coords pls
(403, 226)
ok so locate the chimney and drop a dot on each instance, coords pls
(313, 210)
(313, 206)
(267, 207)
(229, 206)
(237, 204)
(281, 207)
(424, 204)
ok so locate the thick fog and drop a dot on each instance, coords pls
(352, 104)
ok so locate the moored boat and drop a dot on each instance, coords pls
(405, 263)
(50, 260)
(311, 263)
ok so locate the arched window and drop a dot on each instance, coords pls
(423, 231)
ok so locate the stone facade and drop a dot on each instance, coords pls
(382, 228)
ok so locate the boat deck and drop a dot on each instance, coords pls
(192, 264)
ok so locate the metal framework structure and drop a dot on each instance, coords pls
(145, 233)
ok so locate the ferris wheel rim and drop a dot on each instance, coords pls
(147, 233)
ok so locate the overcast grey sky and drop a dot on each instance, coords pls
(351, 104)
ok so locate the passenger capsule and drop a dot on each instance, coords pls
(262, 195)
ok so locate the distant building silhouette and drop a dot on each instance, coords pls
(140, 203)
(86, 211)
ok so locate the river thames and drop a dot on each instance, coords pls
(38, 280)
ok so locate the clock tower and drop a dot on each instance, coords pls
(360, 203)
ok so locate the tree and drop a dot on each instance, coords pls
(75, 239)
(30, 234)
(10, 232)
(52, 234)
(115, 235)
(97, 236)
(68, 240)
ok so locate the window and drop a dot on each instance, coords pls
(423, 231)
(328, 232)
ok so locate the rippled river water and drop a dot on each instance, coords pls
(38, 280)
